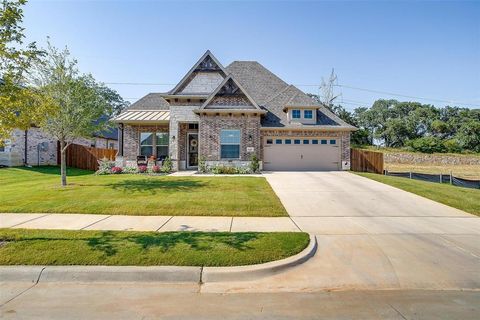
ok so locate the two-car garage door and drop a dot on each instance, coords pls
(301, 153)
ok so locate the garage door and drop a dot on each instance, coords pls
(301, 153)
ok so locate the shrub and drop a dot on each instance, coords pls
(142, 169)
(202, 165)
(426, 145)
(167, 165)
(129, 170)
(229, 170)
(254, 164)
(453, 146)
(105, 166)
(156, 169)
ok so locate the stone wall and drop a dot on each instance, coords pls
(209, 136)
(178, 115)
(436, 159)
(203, 82)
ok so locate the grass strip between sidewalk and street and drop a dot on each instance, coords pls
(461, 198)
(38, 190)
(127, 248)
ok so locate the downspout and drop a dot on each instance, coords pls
(25, 156)
(121, 139)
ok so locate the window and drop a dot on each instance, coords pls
(193, 126)
(154, 144)
(269, 141)
(230, 144)
(324, 141)
(306, 141)
(288, 141)
(161, 143)
(314, 141)
(278, 141)
(296, 141)
(296, 114)
(333, 141)
(308, 114)
(2, 148)
(146, 144)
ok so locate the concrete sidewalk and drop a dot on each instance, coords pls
(145, 223)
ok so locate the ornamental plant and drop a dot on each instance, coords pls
(156, 169)
(142, 169)
(116, 170)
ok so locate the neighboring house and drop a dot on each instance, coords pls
(34, 147)
(228, 114)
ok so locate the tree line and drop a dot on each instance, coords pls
(413, 126)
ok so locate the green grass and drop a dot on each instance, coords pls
(39, 190)
(120, 248)
(457, 197)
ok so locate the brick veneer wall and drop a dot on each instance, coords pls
(344, 137)
(131, 138)
(209, 135)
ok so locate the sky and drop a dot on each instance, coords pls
(425, 51)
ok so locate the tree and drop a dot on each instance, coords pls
(19, 104)
(80, 105)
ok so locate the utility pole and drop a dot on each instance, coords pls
(327, 92)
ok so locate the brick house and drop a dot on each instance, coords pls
(35, 147)
(228, 114)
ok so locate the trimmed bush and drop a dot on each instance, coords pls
(156, 169)
(142, 169)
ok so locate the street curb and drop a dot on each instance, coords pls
(45, 274)
(253, 272)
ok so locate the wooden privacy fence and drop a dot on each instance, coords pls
(366, 161)
(82, 157)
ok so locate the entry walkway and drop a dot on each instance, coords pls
(144, 223)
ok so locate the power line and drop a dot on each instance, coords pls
(317, 85)
(405, 96)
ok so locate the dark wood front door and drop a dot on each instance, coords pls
(192, 150)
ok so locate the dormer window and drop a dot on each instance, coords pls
(304, 115)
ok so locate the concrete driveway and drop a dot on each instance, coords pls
(371, 236)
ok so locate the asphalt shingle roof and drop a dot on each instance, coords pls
(273, 94)
(152, 101)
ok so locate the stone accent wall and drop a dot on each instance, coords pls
(179, 114)
(203, 82)
(343, 136)
(209, 136)
(436, 159)
(131, 138)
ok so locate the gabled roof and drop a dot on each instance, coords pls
(207, 55)
(230, 87)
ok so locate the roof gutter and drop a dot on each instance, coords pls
(233, 111)
(323, 128)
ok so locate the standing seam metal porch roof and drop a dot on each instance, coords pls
(143, 116)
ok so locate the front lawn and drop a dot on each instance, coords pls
(121, 248)
(461, 198)
(38, 190)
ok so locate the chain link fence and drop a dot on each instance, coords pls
(439, 178)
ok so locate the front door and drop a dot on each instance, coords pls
(192, 150)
